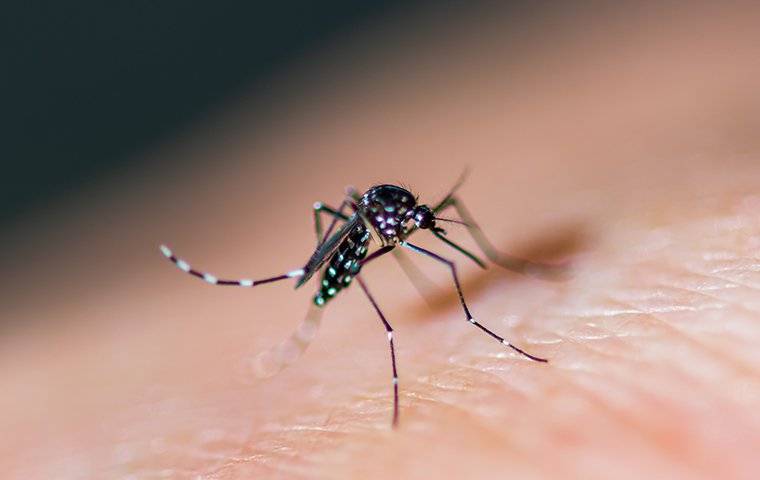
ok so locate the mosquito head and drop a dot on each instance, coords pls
(423, 217)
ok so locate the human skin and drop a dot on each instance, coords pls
(621, 143)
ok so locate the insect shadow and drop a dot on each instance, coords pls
(386, 216)
(552, 249)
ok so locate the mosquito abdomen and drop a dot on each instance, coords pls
(343, 265)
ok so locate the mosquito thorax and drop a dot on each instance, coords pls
(388, 209)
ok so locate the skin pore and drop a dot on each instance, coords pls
(623, 143)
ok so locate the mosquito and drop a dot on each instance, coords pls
(386, 215)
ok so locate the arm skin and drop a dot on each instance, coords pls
(627, 146)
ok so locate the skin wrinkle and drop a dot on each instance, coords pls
(714, 296)
(605, 405)
(435, 399)
(717, 354)
(601, 406)
(298, 462)
(631, 363)
(460, 404)
(663, 320)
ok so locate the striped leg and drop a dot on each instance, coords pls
(243, 282)
(389, 331)
(453, 269)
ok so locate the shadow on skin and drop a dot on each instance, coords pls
(550, 260)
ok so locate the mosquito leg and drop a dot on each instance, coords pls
(271, 361)
(336, 214)
(419, 280)
(353, 194)
(445, 202)
(510, 262)
(467, 313)
(377, 253)
(351, 198)
(213, 280)
(439, 234)
(389, 331)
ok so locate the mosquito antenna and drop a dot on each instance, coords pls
(451, 220)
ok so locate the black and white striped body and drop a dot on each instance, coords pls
(344, 264)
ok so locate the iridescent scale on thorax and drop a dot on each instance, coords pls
(388, 208)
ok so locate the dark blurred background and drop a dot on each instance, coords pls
(88, 84)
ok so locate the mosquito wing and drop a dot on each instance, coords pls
(323, 253)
